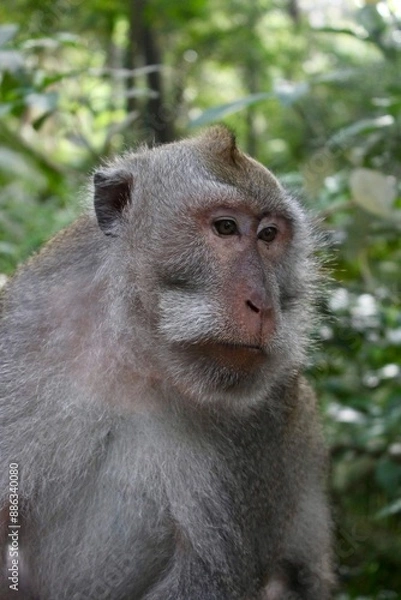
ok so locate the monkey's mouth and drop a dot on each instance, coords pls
(236, 346)
(237, 356)
(249, 346)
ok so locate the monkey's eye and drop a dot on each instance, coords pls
(226, 226)
(268, 234)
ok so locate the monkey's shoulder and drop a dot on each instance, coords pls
(75, 252)
(77, 245)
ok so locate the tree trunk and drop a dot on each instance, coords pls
(157, 115)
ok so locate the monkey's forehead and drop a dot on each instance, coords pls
(210, 194)
(190, 158)
(193, 175)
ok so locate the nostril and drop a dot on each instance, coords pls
(252, 306)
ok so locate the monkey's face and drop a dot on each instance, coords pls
(225, 294)
(225, 269)
(219, 299)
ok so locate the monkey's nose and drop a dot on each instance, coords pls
(253, 306)
(258, 316)
(257, 303)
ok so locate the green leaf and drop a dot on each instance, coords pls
(17, 165)
(46, 102)
(373, 191)
(6, 248)
(5, 109)
(391, 509)
(7, 33)
(358, 33)
(337, 76)
(345, 135)
(388, 475)
(288, 93)
(219, 112)
(10, 60)
(37, 124)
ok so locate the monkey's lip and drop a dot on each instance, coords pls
(235, 355)
(231, 347)
(236, 346)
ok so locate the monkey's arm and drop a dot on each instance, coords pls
(304, 573)
(305, 568)
(191, 579)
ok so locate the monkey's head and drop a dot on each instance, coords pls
(214, 261)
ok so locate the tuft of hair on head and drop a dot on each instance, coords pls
(221, 142)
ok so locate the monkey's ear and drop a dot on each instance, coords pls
(112, 194)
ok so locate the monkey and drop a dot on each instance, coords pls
(152, 393)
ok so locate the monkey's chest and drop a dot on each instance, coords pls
(233, 514)
(214, 516)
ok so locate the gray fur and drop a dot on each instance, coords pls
(146, 474)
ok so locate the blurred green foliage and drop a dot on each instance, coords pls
(313, 93)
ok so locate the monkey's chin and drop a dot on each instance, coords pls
(212, 373)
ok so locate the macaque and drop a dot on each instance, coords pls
(166, 443)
